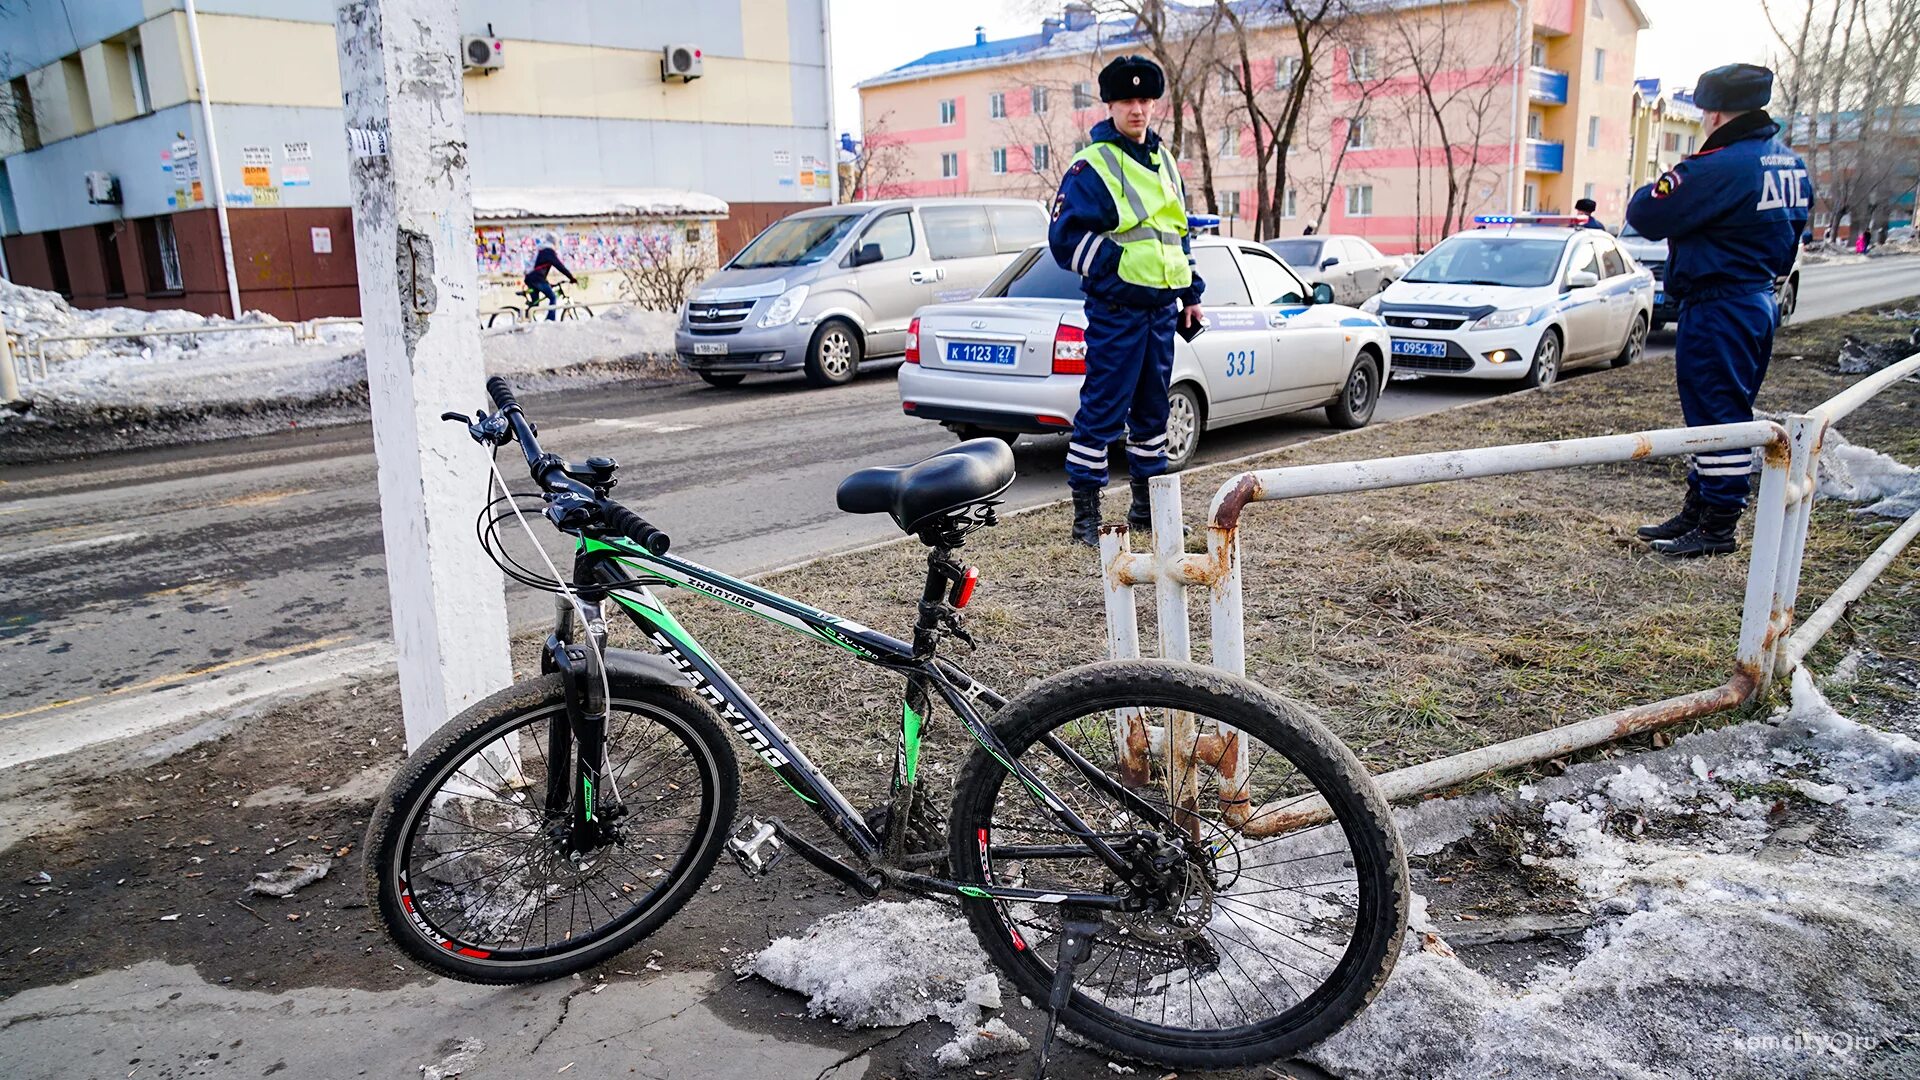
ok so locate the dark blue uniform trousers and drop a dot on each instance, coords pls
(1721, 354)
(1129, 362)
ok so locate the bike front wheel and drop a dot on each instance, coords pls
(474, 869)
(1278, 894)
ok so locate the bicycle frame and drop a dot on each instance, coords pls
(607, 569)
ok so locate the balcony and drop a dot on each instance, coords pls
(1546, 86)
(1543, 156)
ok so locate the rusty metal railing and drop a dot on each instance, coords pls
(1783, 507)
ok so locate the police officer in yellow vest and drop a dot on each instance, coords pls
(1120, 222)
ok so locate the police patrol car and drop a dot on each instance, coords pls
(1521, 298)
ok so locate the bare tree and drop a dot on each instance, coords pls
(880, 168)
(1044, 131)
(1180, 39)
(1273, 108)
(664, 272)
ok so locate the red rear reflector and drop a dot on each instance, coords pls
(913, 341)
(1069, 350)
(1054, 421)
(965, 592)
(908, 406)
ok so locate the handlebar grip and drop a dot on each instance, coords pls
(502, 393)
(621, 520)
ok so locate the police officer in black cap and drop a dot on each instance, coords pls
(1732, 215)
(1120, 222)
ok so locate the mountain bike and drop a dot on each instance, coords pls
(532, 299)
(1183, 865)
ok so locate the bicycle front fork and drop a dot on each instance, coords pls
(575, 802)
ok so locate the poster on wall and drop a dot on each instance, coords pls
(256, 166)
(295, 176)
(322, 241)
(298, 151)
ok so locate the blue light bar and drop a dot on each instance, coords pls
(1196, 222)
(1574, 220)
(1493, 219)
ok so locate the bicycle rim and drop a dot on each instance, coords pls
(483, 869)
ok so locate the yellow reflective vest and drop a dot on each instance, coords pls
(1152, 207)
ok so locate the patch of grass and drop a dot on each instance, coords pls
(1417, 622)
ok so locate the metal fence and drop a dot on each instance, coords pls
(1790, 452)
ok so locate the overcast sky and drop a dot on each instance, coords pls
(871, 36)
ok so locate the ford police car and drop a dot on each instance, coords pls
(1520, 298)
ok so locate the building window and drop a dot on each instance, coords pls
(1593, 131)
(1230, 141)
(1359, 134)
(1599, 65)
(1083, 95)
(1588, 193)
(1533, 125)
(1527, 198)
(1598, 9)
(137, 73)
(116, 278)
(1081, 144)
(949, 166)
(1039, 99)
(1230, 204)
(1042, 156)
(996, 106)
(1673, 142)
(949, 112)
(23, 119)
(161, 254)
(1359, 200)
(999, 162)
(1539, 54)
(1228, 83)
(1360, 64)
(1693, 141)
(1286, 70)
(1289, 204)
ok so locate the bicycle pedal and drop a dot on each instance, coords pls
(756, 846)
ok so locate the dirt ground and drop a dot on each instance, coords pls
(1417, 622)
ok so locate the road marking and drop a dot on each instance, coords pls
(261, 498)
(651, 427)
(54, 733)
(73, 545)
(178, 676)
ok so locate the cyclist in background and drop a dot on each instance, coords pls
(536, 278)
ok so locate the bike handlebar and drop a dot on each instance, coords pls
(576, 505)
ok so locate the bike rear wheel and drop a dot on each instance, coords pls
(473, 874)
(1268, 938)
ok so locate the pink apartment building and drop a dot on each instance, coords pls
(1368, 155)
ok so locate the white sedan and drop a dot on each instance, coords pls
(1521, 301)
(1012, 360)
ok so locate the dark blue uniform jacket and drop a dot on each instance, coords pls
(1733, 212)
(1085, 207)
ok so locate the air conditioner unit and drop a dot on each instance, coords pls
(680, 62)
(103, 188)
(484, 54)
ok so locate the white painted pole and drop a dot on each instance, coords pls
(9, 378)
(213, 158)
(833, 138)
(413, 228)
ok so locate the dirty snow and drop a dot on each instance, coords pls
(1857, 473)
(890, 964)
(268, 367)
(1729, 945)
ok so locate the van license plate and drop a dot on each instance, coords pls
(1403, 347)
(709, 348)
(964, 352)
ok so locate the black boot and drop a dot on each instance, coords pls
(1140, 514)
(1712, 536)
(1086, 516)
(1679, 524)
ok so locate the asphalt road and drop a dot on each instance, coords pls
(122, 576)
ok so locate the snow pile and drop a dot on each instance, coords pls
(889, 964)
(594, 202)
(1861, 474)
(1728, 950)
(247, 370)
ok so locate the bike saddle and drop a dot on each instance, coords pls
(973, 472)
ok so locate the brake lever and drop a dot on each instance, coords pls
(488, 429)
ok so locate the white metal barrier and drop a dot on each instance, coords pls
(31, 354)
(1783, 506)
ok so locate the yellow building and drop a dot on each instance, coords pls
(1667, 126)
